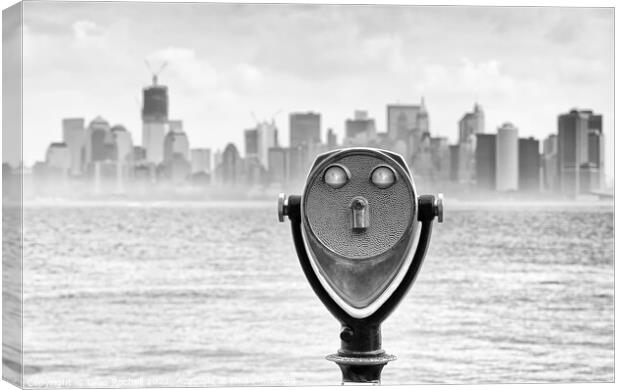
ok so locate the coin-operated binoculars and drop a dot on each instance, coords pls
(361, 232)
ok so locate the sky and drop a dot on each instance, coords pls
(228, 64)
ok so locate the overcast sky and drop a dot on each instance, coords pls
(523, 65)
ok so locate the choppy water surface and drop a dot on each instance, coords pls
(213, 295)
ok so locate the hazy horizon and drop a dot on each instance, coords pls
(225, 61)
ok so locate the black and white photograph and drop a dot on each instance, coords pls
(212, 194)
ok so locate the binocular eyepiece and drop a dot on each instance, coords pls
(360, 231)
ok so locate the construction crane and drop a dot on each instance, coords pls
(155, 74)
(273, 118)
(254, 117)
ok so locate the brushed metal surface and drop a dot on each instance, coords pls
(360, 268)
(329, 214)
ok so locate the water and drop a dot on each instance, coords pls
(212, 294)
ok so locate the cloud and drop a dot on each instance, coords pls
(565, 30)
(196, 74)
(467, 76)
(87, 32)
(485, 76)
(249, 74)
(227, 60)
(385, 49)
(582, 71)
(184, 65)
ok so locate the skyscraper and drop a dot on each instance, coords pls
(472, 123)
(596, 149)
(123, 149)
(406, 125)
(124, 144)
(97, 136)
(440, 158)
(231, 167)
(332, 139)
(304, 128)
(277, 165)
(529, 164)
(550, 163)
(403, 119)
(139, 154)
(73, 133)
(295, 164)
(422, 121)
(454, 162)
(580, 152)
(176, 142)
(360, 130)
(267, 138)
(58, 158)
(201, 160)
(485, 161)
(507, 158)
(251, 143)
(154, 121)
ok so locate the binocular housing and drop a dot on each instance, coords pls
(361, 232)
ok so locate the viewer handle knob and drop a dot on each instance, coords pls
(282, 206)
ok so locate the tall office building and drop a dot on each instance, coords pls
(154, 121)
(176, 142)
(304, 128)
(254, 172)
(124, 156)
(96, 137)
(124, 144)
(422, 121)
(309, 154)
(100, 140)
(177, 169)
(277, 165)
(267, 137)
(360, 130)
(440, 158)
(471, 123)
(98, 145)
(139, 154)
(423, 159)
(454, 162)
(529, 164)
(296, 166)
(485, 161)
(231, 167)
(251, 142)
(507, 158)
(596, 150)
(73, 133)
(201, 160)
(110, 151)
(550, 163)
(404, 119)
(580, 152)
(58, 158)
(332, 140)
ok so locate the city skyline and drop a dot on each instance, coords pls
(519, 73)
(572, 161)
